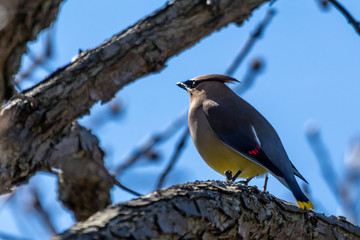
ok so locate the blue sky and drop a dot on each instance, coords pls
(311, 73)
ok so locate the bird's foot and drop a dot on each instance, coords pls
(236, 175)
(229, 178)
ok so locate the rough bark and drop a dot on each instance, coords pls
(84, 192)
(21, 22)
(210, 210)
(83, 183)
(28, 131)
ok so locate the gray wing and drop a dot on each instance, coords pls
(236, 131)
(234, 126)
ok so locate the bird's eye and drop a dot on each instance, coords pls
(193, 84)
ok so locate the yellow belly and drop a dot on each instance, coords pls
(219, 156)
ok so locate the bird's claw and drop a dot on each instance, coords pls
(229, 178)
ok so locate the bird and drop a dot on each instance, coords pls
(230, 134)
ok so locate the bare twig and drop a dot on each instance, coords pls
(324, 4)
(41, 211)
(352, 163)
(117, 183)
(165, 134)
(7, 236)
(16, 208)
(340, 190)
(37, 61)
(111, 111)
(248, 80)
(180, 146)
(323, 156)
(8, 197)
(347, 15)
(250, 43)
(352, 160)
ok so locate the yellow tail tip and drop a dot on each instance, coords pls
(308, 205)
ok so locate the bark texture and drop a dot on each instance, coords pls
(210, 210)
(83, 181)
(28, 131)
(20, 22)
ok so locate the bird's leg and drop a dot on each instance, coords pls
(236, 175)
(228, 175)
(265, 182)
(247, 180)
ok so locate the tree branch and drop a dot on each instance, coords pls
(174, 157)
(83, 181)
(146, 146)
(347, 15)
(250, 42)
(209, 210)
(22, 21)
(27, 133)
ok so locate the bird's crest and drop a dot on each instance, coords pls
(215, 77)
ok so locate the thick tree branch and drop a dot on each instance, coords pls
(28, 133)
(22, 21)
(210, 210)
(83, 181)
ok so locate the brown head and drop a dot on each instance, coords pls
(198, 83)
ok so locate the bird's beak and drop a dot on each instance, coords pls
(182, 85)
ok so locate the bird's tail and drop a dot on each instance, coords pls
(301, 198)
(308, 205)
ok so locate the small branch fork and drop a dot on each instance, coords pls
(250, 43)
(346, 13)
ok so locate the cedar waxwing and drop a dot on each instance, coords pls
(230, 134)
